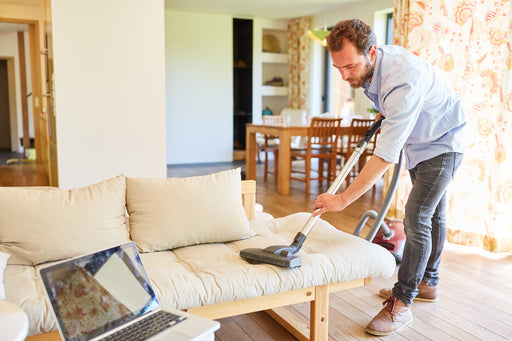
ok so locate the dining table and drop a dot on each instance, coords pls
(284, 132)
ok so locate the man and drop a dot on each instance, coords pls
(424, 117)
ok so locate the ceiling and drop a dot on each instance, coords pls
(269, 9)
(265, 9)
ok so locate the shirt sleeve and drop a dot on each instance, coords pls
(401, 108)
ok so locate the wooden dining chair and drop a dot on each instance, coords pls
(322, 144)
(270, 144)
(358, 127)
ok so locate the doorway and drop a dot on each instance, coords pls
(33, 126)
(5, 120)
(16, 113)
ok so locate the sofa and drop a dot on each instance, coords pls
(189, 232)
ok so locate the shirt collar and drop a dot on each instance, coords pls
(372, 87)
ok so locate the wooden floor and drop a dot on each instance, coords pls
(475, 291)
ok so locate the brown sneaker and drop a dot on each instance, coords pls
(391, 318)
(426, 293)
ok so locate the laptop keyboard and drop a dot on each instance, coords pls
(147, 327)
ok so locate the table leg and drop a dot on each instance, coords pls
(283, 181)
(250, 154)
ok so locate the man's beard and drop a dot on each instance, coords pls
(367, 75)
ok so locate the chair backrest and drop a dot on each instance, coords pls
(324, 133)
(358, 128)
(273, 120)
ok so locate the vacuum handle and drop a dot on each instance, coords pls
(371, 131)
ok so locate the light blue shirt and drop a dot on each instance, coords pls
(423, 114)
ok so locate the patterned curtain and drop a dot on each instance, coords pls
(401, 22)
(298, 54)
(471, 41)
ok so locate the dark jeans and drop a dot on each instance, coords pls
(425, 224)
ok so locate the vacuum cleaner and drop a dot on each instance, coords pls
(285, 255)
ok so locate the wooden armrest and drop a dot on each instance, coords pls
(249, 198)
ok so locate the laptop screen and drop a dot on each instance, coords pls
(95, 293)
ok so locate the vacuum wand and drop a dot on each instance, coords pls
(284, 255)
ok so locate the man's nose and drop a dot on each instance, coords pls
(343, 73)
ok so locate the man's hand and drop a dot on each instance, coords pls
(327, 203)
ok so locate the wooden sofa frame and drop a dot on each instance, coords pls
(274, 305)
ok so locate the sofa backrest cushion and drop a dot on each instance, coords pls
(46, 224)
(175, 212)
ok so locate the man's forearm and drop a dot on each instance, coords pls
(368, 176)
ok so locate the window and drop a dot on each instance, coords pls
(389, 29)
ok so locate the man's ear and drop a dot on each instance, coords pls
(372, 53)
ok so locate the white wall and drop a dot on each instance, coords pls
(110, 89)
(199, 87)
(365, 11)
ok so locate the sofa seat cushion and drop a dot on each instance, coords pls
(214, 273)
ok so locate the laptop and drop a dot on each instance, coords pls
(107, 295)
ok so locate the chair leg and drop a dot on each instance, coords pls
(332, 174)
(320, 172)
(308, 174)
(276, 164)
(265, 167)
(329, 172)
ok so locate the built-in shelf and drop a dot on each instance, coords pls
(267, 90)
(270, 66)
(268, 57)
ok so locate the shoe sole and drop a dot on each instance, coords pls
(425, 299)
(415, 299)
(377, 333)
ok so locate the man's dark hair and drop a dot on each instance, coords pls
(354, 31)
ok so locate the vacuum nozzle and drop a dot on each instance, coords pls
(256, 256)
(280, 255)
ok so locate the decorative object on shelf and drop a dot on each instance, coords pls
(319, 36)
(270, 44)
(239, 63)
(275, 81)
(267, 111)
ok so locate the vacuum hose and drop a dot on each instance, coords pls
(379, 217)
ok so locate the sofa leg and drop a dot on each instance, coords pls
(317, 330)
(290, 322)
(319, 319)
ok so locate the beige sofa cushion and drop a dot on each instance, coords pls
(175, 212)
(45, 224)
